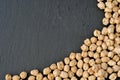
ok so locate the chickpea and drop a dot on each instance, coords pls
(116, 68)
(98, 61)
(115, 15)
(107, 9)
(112, 21)
(66, 68)
(118, 63)
(31, 78)
(78, 56)
(105, 59)
(16, 77)
(23, 75)
(117, 50)
(82, 78)
(87, 42)
(92, 47)
(45, 78)
(56, 72)
(118, 73)
(84, 54)
(86, 60)
(112, 36)
(115, 9)
(46, 70)
(73, 78)
(99, 49)
(109, 42)
(85, 74)
(8, 77)
(100, 78)
(79, 72)
(104, 46)
(58, 78)
(116, 58)
(90, 53)
(111, 63)
(113, 76)
(91, 78)
(74, 69)
(50, 76)
(101, 5)
(85, 66)
(84, 47)
(96, 56)
(93, 40)
(104, 31)
(111, 28)
(101, 72)
(110, 48)
(91, 62)
(73, 62)
(39, 76)
(60, 65)
(109, 4)
(117, 40)
(34, 72)
(80, 64)
(67, 60)
(118, 28)
(53, 66)
(63, 74)
(90, 71)
(104, 66)
(104, 53)
(95, 68)
(70, 74)
(108, 15)
(96, 33)
(99, 43)
(110, 54)
(109, 70)
(72, 55)
(105, 21)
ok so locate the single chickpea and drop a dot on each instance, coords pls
(109, 70)
(100, 78)
(117, 40)
(112, 36)
(117, 50)
(115, 2)
(50, 76)
(116, 58)
(73, 78)
(60, 65)
(63, 74)
(118, 73)
(104, 53)
(85, 66)
(105, 21)
(98, 61)
(56, 72)
(82, 78)
(86, 60)
(99, 49)
(101, 5)
(90, 53)
(115, 9)
(109, 42)
(109, 4)
(118, 11)
(113, 76)
(58, 78)
(106, 74)
(78, 56)
(106, 38)
(31, 78)
(96, 55)
(92, 47)
(53, 66)
(79, 72)
(110, 54)
(118, 28)
(111, 28)
(101, 72)
(90, 71)
(105, 59)
(118, 63)
(116, 68)
(45, 78)
(117, 20)
(16, 77)
(115, 15)
(104, 31)
(66, 60)
(85, 74)
(92, 78)
(104, 46)
(66, 68)
(84, 54)
(96, 33)
(95, 68)
(80, 64)
(8, 77)
(87, 42)
(70, 74)
(101, 37)
(73, 62)
(108, 10)
(108, 15)
(112, 21)
(104, 66)
(91, 62)
(93, 40)
(34, 72)
(46, 70)
(111, 63)
(99, 43)
(110, 48)
(72, 55)
(39, 76)
(74, 69)
(23, 75)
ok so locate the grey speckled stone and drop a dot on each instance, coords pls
(37, 33)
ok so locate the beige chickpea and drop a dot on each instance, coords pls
(113, 76)
(73, 62)
(104, 66)
(86, 60)
(117, 20)
(115, 2)
(82, 78)
(79, 72)
(84, 47)
(109, 42)
(90, 53)
(84, 54)
(93, 40)
(101, 72)
(53, 66)
(117, 40)
(74, 69)
(92, 78)
(110, 48)
(39, 76)
(92, 47)
(101, 5)
(118, 73)
(45, 78)
(66, 60)
(118, 28)
(72, 55)
(50, 76)
(58, 78)
(98, 61)
(34, 72)
(85, 66)
(96, 55)
(118, 11)
(66, 68)
(91, 62)
(80, 64)
(101, 37)
(74, 78)
(112, 36)
(106, 38)
(90, 71)
(111, 28)
(63, 74)
(99, 0)
(106, 74)
(96, 33)
(87, 42)
(23, 75)
(111, 63)
(8, 77)
(112, 21)
(110, 54)
(104, 46)
(109, 4)
(95, 68)
(78, 56)
(109, 70)
(99, 43)
(108, 15)
(115, 15)
(60, 65)
(116, 58)
(118, 63)
(31, 78)
(100, 78)
(116, 68)
(104, 31)
(85, 74)
(56, 72)
(66, 79)
(16, 77)
(99, 49)
(46, 70)
(104, 53)
(117, 50)
(115, 9)
(105, 21)
(105, 59)
(108, 9)
(70, 74)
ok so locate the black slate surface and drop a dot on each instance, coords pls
(37, 33)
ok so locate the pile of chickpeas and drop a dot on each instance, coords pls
(99, 58)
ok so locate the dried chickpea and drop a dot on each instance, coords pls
(90, 71)
(111, 63)
(104, 31)
(63, 74)
(115, 9)
(105, 21)
(23, 75)
(99, 49)
(86, 60)
(90, 53)
(85, 66)
(110, 54)
(72, 55)
(79, 72)
(92, 78)
(73, 78)
(117, 50)
(70, 74)
(104, 46)
(56, 72)
(117, 40)
(78, 56)
(93, 47)
(112, 21)
(16, 77)
(50, 76)
(108, 15)
(116, 68)
(100, 78)
(85, 74)
(80, 64)
(46, 70)
(101, 72)
(84, 47)
(45, 78)
(111, 28)
(118, 28)
(82, 78)
(116, 58)
(66, 68)
(109, 4)
(93, 40)
(98, 61)
(91, 62)
(107, 9)
(67, 60)
(101, 5)
(73, 62)
(95, 68)
(113, 76)
(84, 54)
(87, 42)
(34, 72)
(118, 73)
(99, 43)
(109, 70)
(96, 55)
(58, 78)
(105, 59)
(74, 69)
(109, 42)
(31, 78)
(110, 48)
(104, 53)
(39, 76)
(53, 66)
(118, 63)
(96, 33)
(8, 77)
(60, 65)
(104, 66)
(115, 15)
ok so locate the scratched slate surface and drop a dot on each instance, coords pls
(37, 33)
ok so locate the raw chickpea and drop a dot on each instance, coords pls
(115, 15)
(67, 60)
(63, 74)
(109, 4)
(60, 65)
(95, 68)
(117, 40)
(111, 28)
(99, 0)
(86, 60)
(117, 50)
(108, 15)
(45, 78)
(105, 38)
(78, 56)
(112, 21)
(109, 70)
(46, 70)
(104, 31)
(104, 46)
(56, 72)
(113, 76)
(109, 42)
(85, 74)
(92, 47)
(80, 64)
(50, 76)
(104, 66)
(82, 78)
(96, 33)
(118, 73)
(105, 59)
(101, 72)
(118, 28)
(105, 21)
(8, 77)
(93, 40)
(73, 62)
(84, 47)
(96, 56)
(116, 68)
(110, 48)
(115, 9)
(74, 69)
(100, 78)
(31, 78)
(118, 63)
(104, 53)
(101, 5)
(115, 2)
(85, 66)
(73, 78)
(87, 42)
(99, 43)
(53, 66)
(84, 54)
(34, 72)
(58, 78)
(111, 63)
(91, 62)
(39, 76)
(106, 74)
(79, 72)
(112, 36)
(90, 53)
(72, 55)
(90, 71)
(70, 74)
(16, 77)
(92, 78)
(99, 49)
(118, 11)
(101, 37)
(23, 75)
(117, 20)
(66, 68)
(110, 54)
(107, 9)
(116, 58)
(98, 61)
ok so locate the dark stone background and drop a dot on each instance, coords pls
(37, 33)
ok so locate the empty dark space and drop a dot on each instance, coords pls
(37, 33)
